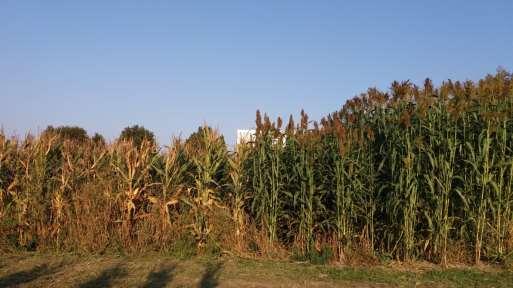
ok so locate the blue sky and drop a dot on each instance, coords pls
(174, 65)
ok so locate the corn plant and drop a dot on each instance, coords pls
(133, 165)
(207, 155)
(171, 173)
(238, 182)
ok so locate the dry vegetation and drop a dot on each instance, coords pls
(417, 173)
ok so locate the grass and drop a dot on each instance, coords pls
(152, 270)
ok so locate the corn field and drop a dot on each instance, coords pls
(414, 173)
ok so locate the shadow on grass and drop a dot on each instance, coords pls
(159, 278)
(22, 277)
(106, 278)
(210, 277)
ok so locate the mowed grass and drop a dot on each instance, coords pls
(39, 270)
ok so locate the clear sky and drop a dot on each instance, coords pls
(173, 65)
